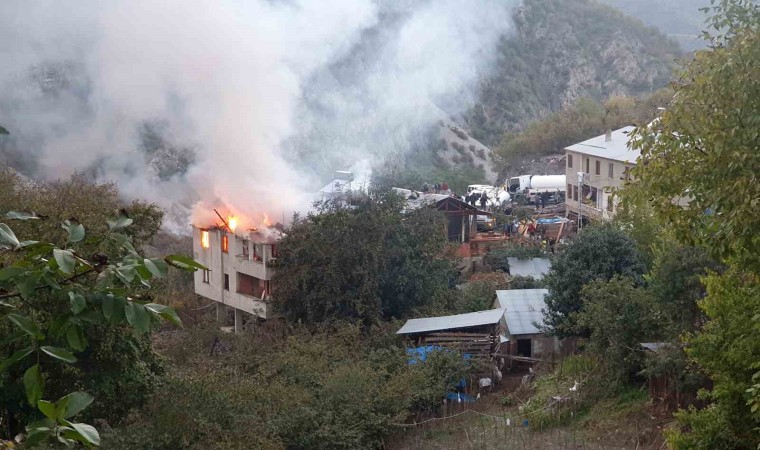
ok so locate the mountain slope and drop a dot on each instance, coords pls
(564, 50)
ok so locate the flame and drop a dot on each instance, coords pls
(204, 239)
(232, 221)
(265, 221)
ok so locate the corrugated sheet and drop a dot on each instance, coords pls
(489, 317)
(532, 267)
(522, 309)
(616, 148)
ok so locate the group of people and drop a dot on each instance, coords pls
(474, 198)
(437, 187)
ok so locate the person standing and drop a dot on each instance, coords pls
(483, 200)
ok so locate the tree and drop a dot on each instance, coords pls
(598, 253)
(698, 173)
(50, 297)
(676, 284)
(361, 259)
(619, 316)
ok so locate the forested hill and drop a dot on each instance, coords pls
(564, 50)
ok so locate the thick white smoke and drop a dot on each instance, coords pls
(245, 87)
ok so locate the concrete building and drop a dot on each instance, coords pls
(240, 269)
(605, 163)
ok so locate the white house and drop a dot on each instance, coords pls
(596, 168)
(240, 269)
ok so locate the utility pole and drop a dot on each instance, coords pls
(581, 176)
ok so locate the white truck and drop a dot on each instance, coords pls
(530, 185)
(496, 196)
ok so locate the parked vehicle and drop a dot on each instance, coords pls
(532, 185)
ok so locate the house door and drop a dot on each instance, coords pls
(523, 347)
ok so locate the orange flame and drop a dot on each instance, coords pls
(266, 222)
(232, 221)
(204, 239)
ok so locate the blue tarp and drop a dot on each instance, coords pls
(419, 354)
(547, 220)
(459, 397)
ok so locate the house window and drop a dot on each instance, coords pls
(226, 282)
(611, 170)
(587, 166)
(275, 251)
(569, 160)
(575, 193)
(598, 167)
(206, 276)
(245, 249)
(626, 173)
(570, 190)
(204, 239)
(225, 244)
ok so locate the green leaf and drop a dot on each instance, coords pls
(27, 325)
(43, 424)
(78, 302)
(157, 267)
(122, 220)
(122, 240)
(75, 229)
(48, 409)
(65, 259)
(33, 384)
(77, 402)
(22, 215)
(16, 357)
(11, 272)
(87, 434)
(37, 437)
(3, 130)
(138, 317)
(59, 353)
(165, 312)
(185, 263)
(27, 286)
(7, 236)
(76, 339)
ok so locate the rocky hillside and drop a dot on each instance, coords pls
(564, 50)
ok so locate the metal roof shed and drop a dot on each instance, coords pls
(522, 309)
(531, 267)
(459, 321)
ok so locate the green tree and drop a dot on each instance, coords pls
(698, 173)
(598, 253)
(619, 316)
(364, 259)
(51, 296)
(676, 284)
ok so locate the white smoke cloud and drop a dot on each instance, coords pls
(250, 86)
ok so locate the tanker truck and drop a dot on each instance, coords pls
(531, 185)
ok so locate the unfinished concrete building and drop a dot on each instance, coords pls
(240, 269)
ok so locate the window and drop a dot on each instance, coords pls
(245, 249)
(626, 174)
(226, 282)
(570, 160)
(225, 244)
(575, 193)
(570, 190)
(275, 251)
(206, 276)
(611, 171)
(598, 167)
(204, 239)
(587, 166)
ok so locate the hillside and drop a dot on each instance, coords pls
(561, 51)
(679, 19)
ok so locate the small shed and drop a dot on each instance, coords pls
(535, 268)
(474, 333)
(462, 218)
(523, 318)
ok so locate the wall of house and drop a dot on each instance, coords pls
(600, 185)
(247, 278)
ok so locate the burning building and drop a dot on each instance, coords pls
(240, 267)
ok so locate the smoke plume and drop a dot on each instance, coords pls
(239, 105)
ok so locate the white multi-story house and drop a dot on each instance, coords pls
(240, 269)
(595, 169)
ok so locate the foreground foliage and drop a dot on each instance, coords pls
(337, 388)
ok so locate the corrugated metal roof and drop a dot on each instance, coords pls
(616, 148)
(522, 309)
(489, 317)
(531, 267)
